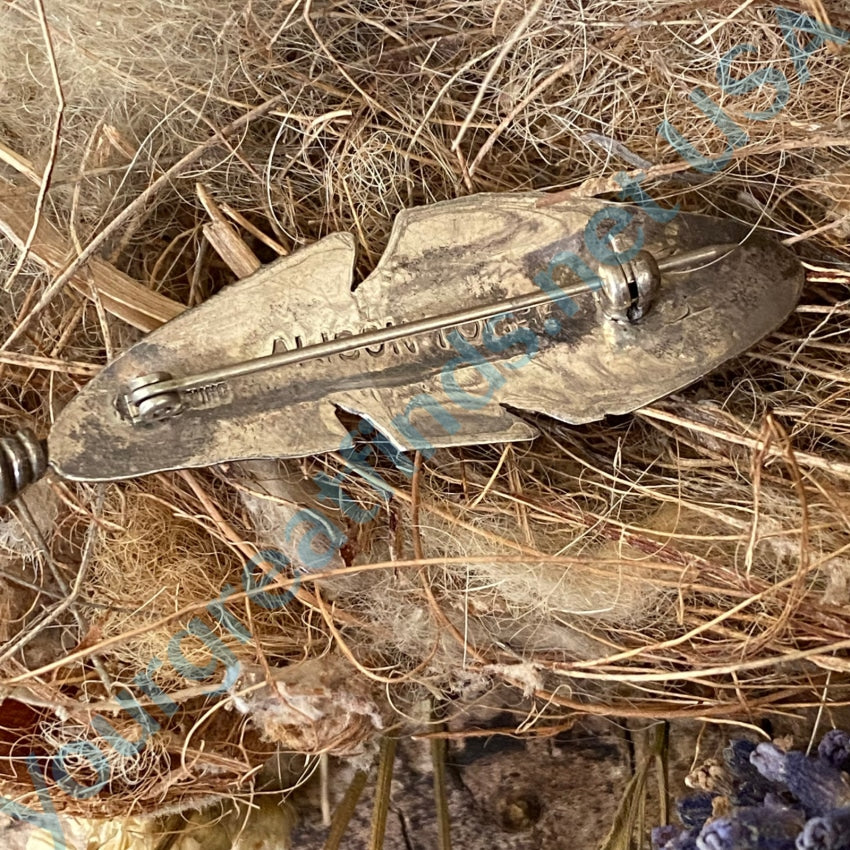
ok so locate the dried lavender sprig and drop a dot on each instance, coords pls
(829, 832)
(695, 809)
(818, 786)
(834, 749)
(661, 836)
(737, 759)
(674, 838)
(750, 786)
(752, 828)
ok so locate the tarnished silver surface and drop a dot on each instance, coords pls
(628, 292)
(438, 388)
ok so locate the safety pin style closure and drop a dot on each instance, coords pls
(628, 291)
(451, 337)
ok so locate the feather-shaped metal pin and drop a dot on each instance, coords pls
(479, 308)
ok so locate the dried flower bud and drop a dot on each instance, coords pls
(721, 806)
(686, 841)
(737, 758)
(752, 828)
(834, 749)
(769, 761)
(674, 838)
(661, 836)
(695, 809)
(817, 785)
(750, 786)
(830, 832)
(767, 797)
(750, 793)
(781, 800)
(710, 776)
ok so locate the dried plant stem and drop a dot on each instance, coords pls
(507, 44)
(70, 594)
(804, 458)
(345, 811)
(383, 784)
(444, 827)
(44, 181)
(132, 209)
(49, 364)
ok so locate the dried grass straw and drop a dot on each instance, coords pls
(690, 560)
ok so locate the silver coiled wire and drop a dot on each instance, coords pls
(23, 460)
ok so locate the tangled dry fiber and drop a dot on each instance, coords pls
(692, 559)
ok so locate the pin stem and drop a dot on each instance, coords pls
(144, 391)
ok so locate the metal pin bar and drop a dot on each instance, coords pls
(147, 387)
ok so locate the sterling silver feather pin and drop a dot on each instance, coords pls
(480, 308)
